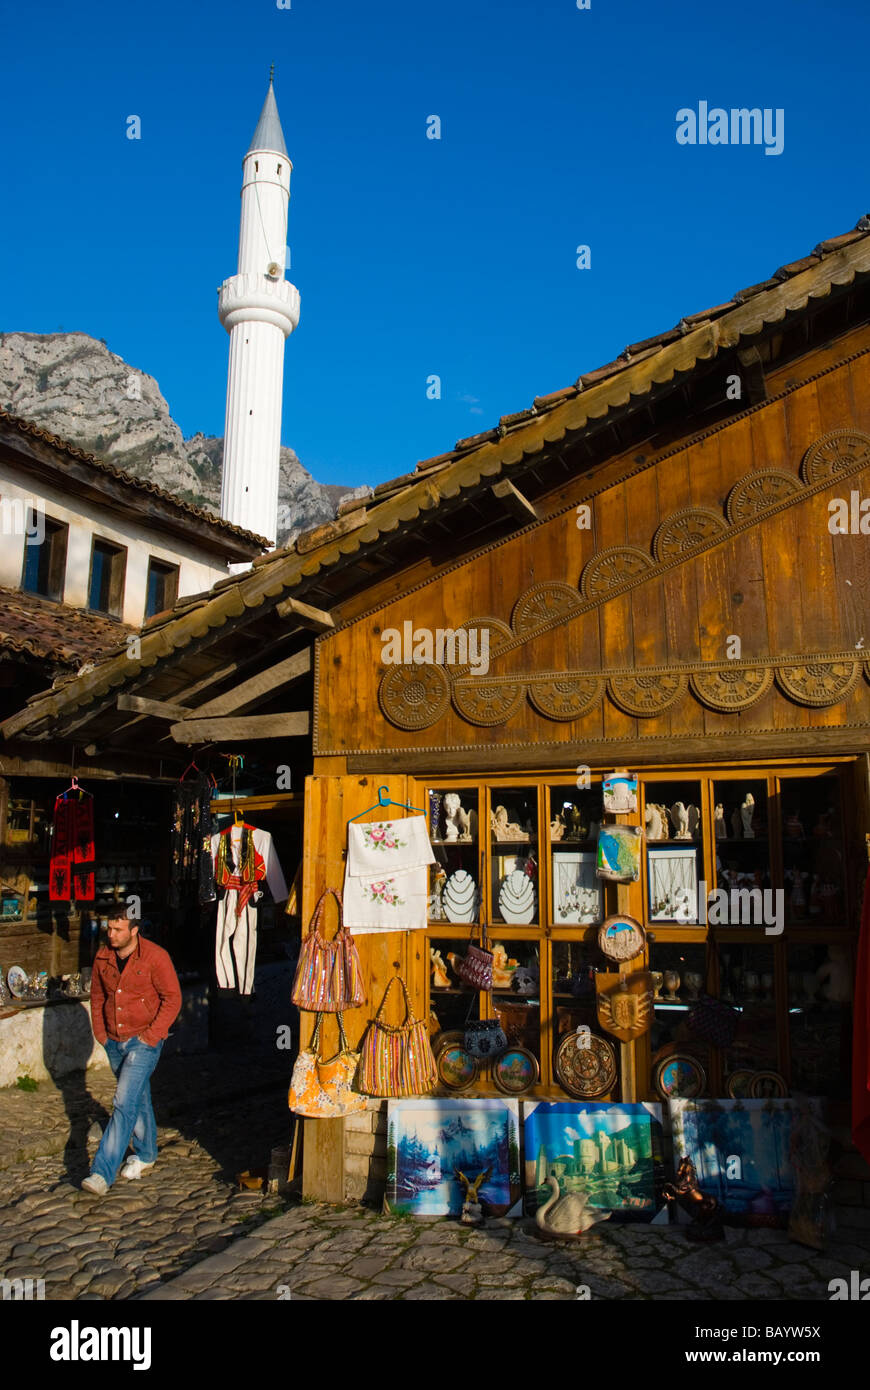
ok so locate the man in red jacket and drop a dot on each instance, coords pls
(135, 998)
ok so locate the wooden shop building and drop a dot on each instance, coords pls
(655, 556)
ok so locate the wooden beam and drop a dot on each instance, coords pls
(244, 729)
(159, 709)
(252, 691)
(754, 380)
(518, 505)
(308, 616)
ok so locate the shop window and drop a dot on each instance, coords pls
(674, 850)
(513, 835)
(812, 852)
(162, 589)
(820, 984)
(577, 894)
(45, 558)
(108, 570)
(455, 878)
(742, 845)
(747, 981)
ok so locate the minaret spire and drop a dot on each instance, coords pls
(259, 309)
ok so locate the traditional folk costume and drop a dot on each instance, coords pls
(191, 877)
(71, 876)
(243, 857)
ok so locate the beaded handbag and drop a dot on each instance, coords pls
(476, 966)
(396, 1061)
(329, 975)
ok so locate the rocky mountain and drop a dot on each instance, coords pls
(72, 385)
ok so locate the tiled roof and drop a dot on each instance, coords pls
(67, 637)
(366, 521)
(63, 446)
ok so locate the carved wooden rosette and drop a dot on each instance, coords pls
(647, 696)
(729, 688)
(758, 491)
(818, 683)
(486, 702)
(568, 697)
(839, 451)
(414, 697)
(611, 568)
(685, 531)
(499, 634)
(543, 604)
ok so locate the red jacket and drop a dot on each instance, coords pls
(142, 1001)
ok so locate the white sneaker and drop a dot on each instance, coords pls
(94, 1183)
(134, 1167)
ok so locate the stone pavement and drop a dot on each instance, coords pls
(314, 1252)
(185, 1232)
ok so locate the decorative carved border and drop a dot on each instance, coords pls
(817, 680)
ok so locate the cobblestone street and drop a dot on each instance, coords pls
(185, 1232)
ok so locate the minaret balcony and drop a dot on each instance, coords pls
(259, 299)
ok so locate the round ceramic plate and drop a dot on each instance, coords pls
(515, 1071)
(767, 1084)
(457, 1069)
(621, 937)
(447, 1039)
(737, 1084)
(679, 1077)
(586, 1071)
(17, 980)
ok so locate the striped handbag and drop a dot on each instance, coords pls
(396, 1061)
(329, 975)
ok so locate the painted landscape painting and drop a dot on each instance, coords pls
(612, 1152)
(741, 1152)
(428, 1140)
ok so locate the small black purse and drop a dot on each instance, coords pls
(485, 1038)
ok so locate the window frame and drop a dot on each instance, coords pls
(118, 579)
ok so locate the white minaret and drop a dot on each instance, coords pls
(259, 309)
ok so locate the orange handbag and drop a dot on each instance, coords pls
(322, 1089)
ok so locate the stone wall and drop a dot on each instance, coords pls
(365, 1154)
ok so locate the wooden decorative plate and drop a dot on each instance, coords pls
(621, 937)
(679, 1077)
(765, 1084)
(586, 1072)
(446, 1038)
(737, 1084)
(515, 1071)
(457, 1069)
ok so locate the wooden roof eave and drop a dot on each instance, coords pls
(273, 578)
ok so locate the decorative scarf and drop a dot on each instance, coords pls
(192, 869)
(71, 875)
(252, 867)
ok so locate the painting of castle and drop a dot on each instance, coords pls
(610, 1152)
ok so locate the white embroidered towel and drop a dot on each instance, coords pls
(386, 901)
(386, 847)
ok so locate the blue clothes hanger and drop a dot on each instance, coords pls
(384, 800)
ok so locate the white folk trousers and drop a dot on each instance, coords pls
(241, 932)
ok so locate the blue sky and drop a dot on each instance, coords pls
(413, 256)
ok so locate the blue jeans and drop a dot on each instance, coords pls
(132, 1115)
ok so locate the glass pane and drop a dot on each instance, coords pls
(674, 828)
(454, 891)
(740, 825)
(513, 845)
(747, 982)
(101, 577)
(451, 1002)
(574, 818)
(820, 1019)
(812, 851)
(516, 996)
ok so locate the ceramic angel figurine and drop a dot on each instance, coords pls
(720, 830)
(747, 811)
(680, 821)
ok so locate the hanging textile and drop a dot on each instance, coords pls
(243, 857)
(385, 884)
(191, 878)
(71, 875)
(861, 1037)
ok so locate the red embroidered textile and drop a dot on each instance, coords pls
(245, 888)
(71, 876)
